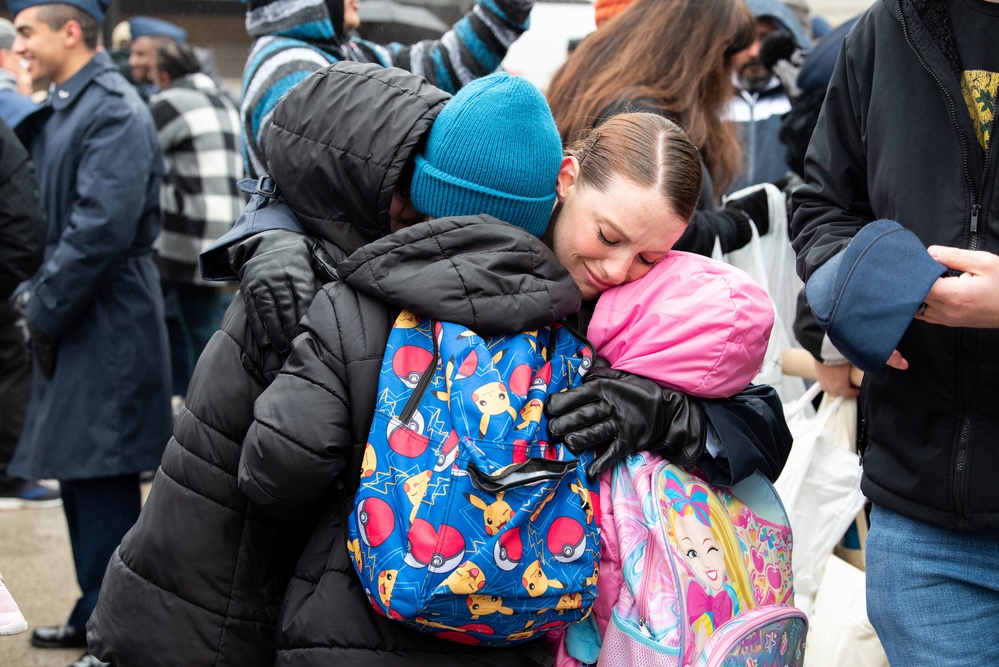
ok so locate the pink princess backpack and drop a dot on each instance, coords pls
(705, 571)
(691, 574)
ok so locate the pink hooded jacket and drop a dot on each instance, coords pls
(692, 324)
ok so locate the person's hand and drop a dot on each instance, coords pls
(625, 413)
(755, 205)
(835, 379)
(897, 361)
(968, 300)
(279, 274)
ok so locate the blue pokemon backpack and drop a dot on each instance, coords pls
(467, 523)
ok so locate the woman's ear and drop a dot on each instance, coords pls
(567, 175)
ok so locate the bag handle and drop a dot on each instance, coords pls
(531, 471)
(826, 410)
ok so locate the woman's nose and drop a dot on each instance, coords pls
(616, 269)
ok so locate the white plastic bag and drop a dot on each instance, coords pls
(751, 259)
(839, 632)
(783, 283)
(819, 486)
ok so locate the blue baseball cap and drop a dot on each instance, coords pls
(866, 296)
(148, 26)
(95, 8)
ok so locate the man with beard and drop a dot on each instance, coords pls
(760, 98)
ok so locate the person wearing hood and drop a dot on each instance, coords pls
(293, 38)
(761, 99)
(201, 576)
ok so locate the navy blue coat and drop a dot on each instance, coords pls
(106, 410)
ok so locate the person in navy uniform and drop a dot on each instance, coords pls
(99, 411)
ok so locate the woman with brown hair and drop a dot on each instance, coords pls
(671, 57)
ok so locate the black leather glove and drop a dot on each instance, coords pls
(755, 205)
(626, 413)
(279, 274)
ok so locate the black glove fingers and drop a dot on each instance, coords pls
(605, 460)
(583, 416)
(593, 435)
(757, 206)
(565, 402)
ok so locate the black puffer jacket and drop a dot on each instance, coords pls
(199, 578)
(312, 423)
(895, 140)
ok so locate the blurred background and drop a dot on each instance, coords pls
(218, 26)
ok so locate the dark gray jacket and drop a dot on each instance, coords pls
(895, 140)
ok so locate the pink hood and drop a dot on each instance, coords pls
(692, 324)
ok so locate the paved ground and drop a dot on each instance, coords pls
(38, 569)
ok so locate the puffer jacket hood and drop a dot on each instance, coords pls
(316, 21)
(474, 270)
(329, 125)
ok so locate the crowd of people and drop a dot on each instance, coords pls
(389, 178)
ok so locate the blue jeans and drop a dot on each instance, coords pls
(932, 593)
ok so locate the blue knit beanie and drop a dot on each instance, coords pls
(494, 149)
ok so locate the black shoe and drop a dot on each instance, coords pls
(58, 636)
(88, 660)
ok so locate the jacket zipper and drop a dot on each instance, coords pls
(953, 119)
(421, 387)
(643, 587)
(968, 368)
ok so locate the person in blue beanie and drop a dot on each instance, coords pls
(905, 133)
(472, 159)
(99, 412)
